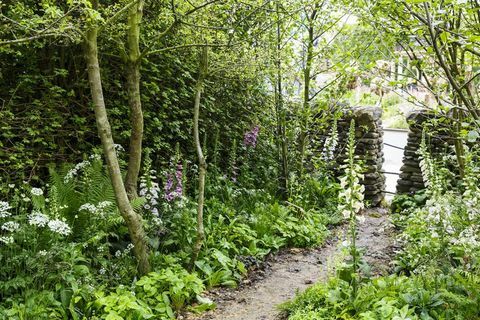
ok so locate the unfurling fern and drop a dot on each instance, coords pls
(86, 198)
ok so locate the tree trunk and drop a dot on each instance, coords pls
(132, 219)
(305, 113)
(201, 159)
(134, 100)
(281, 116)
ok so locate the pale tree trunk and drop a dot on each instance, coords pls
(201, 159)
(134, 99)
(132, 219)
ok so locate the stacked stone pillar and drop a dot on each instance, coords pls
(411, 178)
(369, 148)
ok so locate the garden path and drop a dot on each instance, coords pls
(294, 270)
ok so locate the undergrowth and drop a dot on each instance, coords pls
(436, 275)
(66, 253)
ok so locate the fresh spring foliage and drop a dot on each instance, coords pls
(68, 250)
(217, 125)
(436, 273)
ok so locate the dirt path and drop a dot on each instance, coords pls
(294, 270)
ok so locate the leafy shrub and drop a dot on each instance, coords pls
(123, 304)
(176, 286)
(429, 296)
(405, 202)
(157, 295)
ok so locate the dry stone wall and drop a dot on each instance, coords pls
(411, 179)
(369, 148)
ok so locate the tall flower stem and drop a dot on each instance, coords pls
(351, 201)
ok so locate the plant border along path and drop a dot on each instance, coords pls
(293, 270)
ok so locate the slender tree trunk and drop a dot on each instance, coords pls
(281, 116)
(305, 113)
(134, 100)
(201, 159)
(132, 219)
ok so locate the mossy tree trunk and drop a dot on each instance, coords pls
(132, 219)
(134, 99)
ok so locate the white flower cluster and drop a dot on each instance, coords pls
(36, 192)
(330, 145)
(428, 168)
(88, 207)
(4, 207)
(471, 195)
(79, 167)
(439, 215)
(42, 253)
(118, 148)
(38, 219)
(10, 226)
(150, 190)
(472, 202)
(125, 252)
(60, 227)
(7, 239)
(468, 239)
(73, 172)
(352, 194)
(98, 209)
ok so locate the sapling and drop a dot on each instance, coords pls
(351, 200)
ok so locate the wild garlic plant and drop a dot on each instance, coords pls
(351, 200)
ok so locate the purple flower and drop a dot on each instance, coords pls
(168, 188)
(169, 196)
(250, 138)
(170, 193)
(178, 176)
